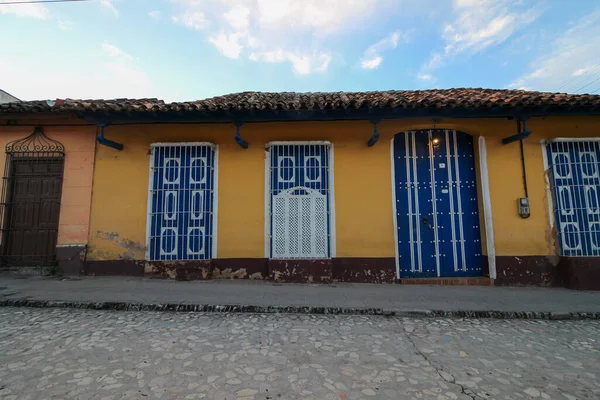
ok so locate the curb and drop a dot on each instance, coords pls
(214, 308)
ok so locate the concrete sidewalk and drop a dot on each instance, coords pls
(262, 296)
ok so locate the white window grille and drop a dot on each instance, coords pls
(299, 200)
(182, 201)
(574, 168)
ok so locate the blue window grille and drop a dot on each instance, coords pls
(300, 200)
(181, 203)
(575, 182)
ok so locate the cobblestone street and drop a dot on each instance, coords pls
(74, 354)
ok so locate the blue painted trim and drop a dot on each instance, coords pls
(375, 136)
(238, 138)
(524, 134)
(106, 142)
(325, 115)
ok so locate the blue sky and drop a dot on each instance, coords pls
(191, 49)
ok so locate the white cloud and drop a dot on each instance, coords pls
(108, 4)
(76, 78)
(192, 19)
(479, 24)
(228, 44)
(325, 16)
(302, 63)
(116, 52)
(65, 25)
(238, 17)
(425, 77)
(38, 11)
(372, 58)
(155, 14)
(571, 63)
(584, 70)
(371, 63)
(277, 31)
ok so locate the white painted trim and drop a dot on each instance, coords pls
(149, 204)
(183, 144)
(558, 140)
(487, 207)
(298, 143)
(548, 184)
(332, 230)
(451, 198)
(409, 187)
(459, 203)
(417, 211)
(436, 239)
(215, 218)
(394, 210)
(267, 203)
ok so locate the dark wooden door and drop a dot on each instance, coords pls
(31, 227)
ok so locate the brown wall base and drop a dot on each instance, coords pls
(365, 270)
(115, 268)
(581, 273)
(315, 271)
(527, 271)
(71, 259)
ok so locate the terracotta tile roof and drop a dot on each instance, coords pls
(466, 99)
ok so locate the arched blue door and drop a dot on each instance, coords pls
(436, 204)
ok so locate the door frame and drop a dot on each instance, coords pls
(332, 231)
(9, 193)
(215, 210)
(483, 184)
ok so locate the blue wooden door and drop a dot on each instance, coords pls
(436, 204)
(181, 223)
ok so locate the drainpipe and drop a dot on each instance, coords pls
(238, 138)
(106, 142)
(375, 136)
(523, 134)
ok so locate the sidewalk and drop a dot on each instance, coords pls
(262, 296)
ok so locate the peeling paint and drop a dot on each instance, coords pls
(133, 250)
(301, 270)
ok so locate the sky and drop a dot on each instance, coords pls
(180, 50)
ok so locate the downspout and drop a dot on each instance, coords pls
(106, 142)
(523, 162)
(521, 134)
(238, 138)
(375, 136)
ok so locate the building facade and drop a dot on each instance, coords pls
(6, 97)
(466, 185)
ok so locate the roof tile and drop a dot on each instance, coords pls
(463, 98)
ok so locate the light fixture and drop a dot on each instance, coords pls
(435, 141)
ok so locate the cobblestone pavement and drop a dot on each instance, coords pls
(77, 354)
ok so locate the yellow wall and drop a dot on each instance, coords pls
(79, 144)
(363, 190)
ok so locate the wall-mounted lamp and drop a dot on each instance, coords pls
(435, 143)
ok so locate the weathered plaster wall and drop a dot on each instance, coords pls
(364, 216)
(79, 144)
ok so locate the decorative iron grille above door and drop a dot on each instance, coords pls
(31, 194)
